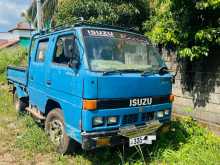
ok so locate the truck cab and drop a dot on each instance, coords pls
(95, 86)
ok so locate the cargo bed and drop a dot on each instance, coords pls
(17, 75)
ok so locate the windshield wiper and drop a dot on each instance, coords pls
(131, 71)
(120, 71)
(112, 72)
(161, 71)
(148, 72)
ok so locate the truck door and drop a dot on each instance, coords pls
(37, 73)
(63, 80)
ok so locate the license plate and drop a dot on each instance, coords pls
(141, 140)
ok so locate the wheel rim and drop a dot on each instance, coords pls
(56, 132)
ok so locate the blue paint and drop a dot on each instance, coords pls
(43, 81)
(20, 91)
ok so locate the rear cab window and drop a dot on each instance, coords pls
(42, 50)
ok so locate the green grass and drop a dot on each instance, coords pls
(11, 56)
(185, 144)
(33, 138)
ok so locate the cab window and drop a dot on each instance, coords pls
(41, 51)
(64, 50)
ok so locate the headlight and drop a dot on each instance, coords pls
(98, 121)
(112, 120)
(160, 114)
(166, 112)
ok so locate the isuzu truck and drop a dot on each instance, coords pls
(95, 86)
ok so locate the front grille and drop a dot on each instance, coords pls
(147, 116)
(129, 119)
(123, 103)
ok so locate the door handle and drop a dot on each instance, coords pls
(48, 82)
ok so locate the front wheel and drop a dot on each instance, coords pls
(54, 127)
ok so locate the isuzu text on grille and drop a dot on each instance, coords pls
(140, 102)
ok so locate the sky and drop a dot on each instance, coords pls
(10, 13)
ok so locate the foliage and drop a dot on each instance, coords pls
(6, 101)
(188, 143)
(11, 56)
(191, 27)
(124, 12)
(49, 7)
(33, 138)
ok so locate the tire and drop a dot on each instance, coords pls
(20, 104)
(54, 127)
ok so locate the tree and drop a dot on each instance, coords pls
(49, 8)
(130, 13)
(191, 27)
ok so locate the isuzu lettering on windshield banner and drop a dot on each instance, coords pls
(100, 33)
(113, 34)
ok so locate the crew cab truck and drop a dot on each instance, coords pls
(95, 86)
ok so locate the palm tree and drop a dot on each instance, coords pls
(48, 7)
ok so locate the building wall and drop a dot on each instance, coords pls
(8, 36)
(197, 87)
(24, 42)
(22, 33)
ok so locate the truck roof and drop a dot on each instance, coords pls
(80, 26)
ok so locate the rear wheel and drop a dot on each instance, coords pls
(20, 104)
(54, 127)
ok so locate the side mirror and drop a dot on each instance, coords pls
(73, 63)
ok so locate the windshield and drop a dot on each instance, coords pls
(109, 51)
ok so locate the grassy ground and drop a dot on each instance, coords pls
(22, 141)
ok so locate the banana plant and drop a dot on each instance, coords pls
(49, 7)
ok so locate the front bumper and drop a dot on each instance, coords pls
(126, 116)
(94, 140)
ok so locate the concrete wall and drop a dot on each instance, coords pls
(197, 87)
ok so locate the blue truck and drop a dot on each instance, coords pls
(95, 86)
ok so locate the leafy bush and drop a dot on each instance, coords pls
(191, 27)
(11, 56)
(126, 13)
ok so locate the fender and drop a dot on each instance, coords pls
(20, 91)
